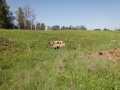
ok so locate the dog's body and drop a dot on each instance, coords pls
(57, 44)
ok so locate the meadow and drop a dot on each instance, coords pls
(27, 62)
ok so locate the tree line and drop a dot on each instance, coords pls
(26, 20)
(57, 27)
(25, 17)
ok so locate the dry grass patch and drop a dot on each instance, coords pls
(6, 44)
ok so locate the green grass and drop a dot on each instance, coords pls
(27, 62)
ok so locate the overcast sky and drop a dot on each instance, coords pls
(91, 13)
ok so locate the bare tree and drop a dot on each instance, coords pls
(32, 18)
(29, 15)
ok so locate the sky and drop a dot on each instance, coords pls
(90, 13)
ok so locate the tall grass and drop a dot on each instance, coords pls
(33, 65)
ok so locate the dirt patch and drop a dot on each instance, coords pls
(112, 54)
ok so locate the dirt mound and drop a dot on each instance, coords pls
(5, 44)
(112, 54)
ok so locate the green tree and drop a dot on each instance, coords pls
(63, 28)
(97, 29)
(105, 29)
(48, 28)
(56, 27)
(6, 16)
(70, 27)
(20, 18)
(38, 26)
(42, 26)
(82, 27)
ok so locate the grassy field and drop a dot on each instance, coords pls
(27, 62)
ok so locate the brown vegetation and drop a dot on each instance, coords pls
(6, 44)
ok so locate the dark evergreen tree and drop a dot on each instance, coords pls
(6, 16)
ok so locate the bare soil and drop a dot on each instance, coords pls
(112, 54)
